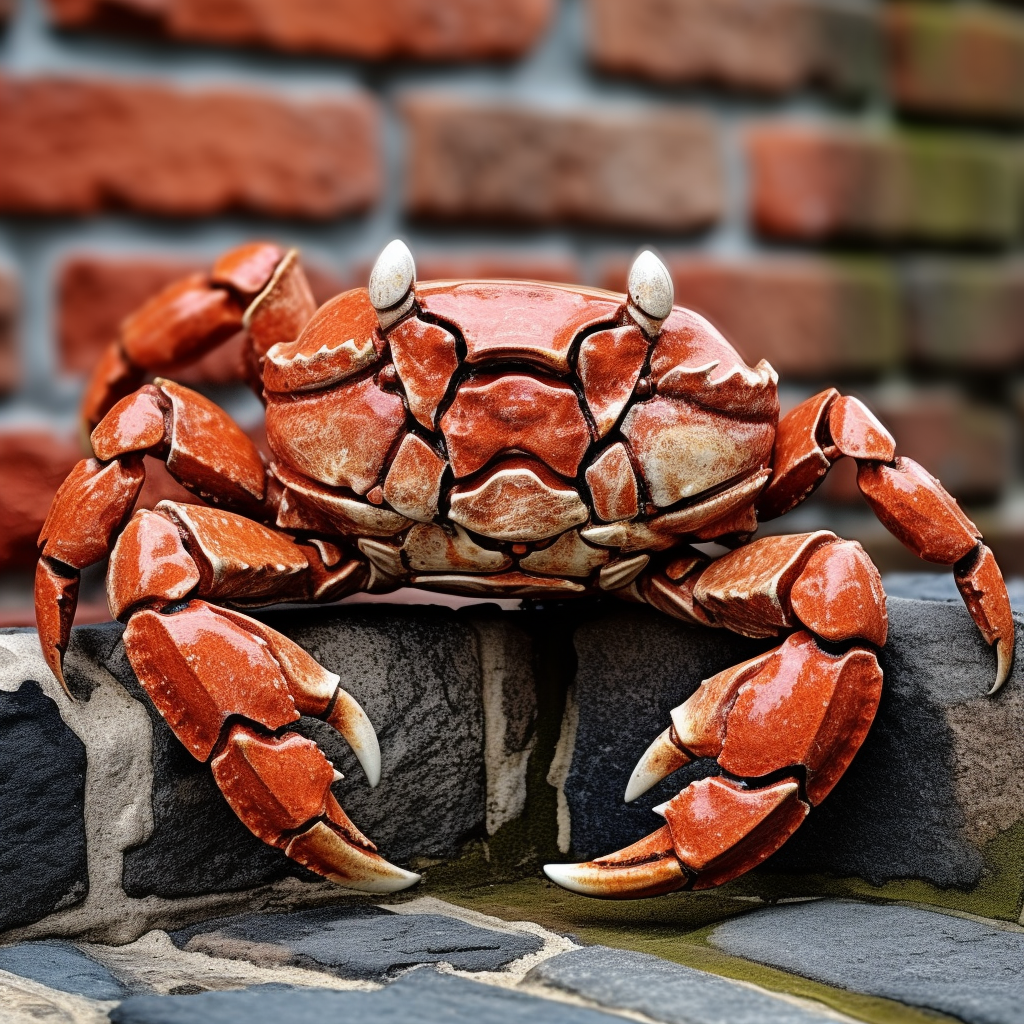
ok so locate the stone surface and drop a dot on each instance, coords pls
(61, 966)
(463, 30)
(639, 983)
(77, 146)
(417, 675)
(423, 996)
(356, 942)
(42, 792)
(947, 964)
(937, 778)
(657, 170)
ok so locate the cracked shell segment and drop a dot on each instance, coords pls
(570, 555)
(523, 320)
(425, 358)
(340, 340)
(609, 366)
(518, 500)
(413, 483)
(449, 549)
(684, 450)
(612, 484)
(340, 437)
(515, 412)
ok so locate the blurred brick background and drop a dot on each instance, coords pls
(837, 184)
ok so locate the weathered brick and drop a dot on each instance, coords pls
(74, 146)
(656, 169)
(968, 446)
(33, 464)
(965, 314)
(95, 293)
(959, 60)
(815, 183)
(809, 317)
(9, 365)
(770, 46)
(421, 29)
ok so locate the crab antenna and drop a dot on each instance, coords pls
(651, 292)
(391, 283)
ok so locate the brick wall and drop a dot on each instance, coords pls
(838, 184)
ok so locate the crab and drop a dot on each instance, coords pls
(494, 439)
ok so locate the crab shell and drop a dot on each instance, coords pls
(516, 438)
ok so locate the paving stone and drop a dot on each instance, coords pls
(637, 982)
(63, 967)
(360, 942)
(423, 996)
(417, 674)
(951, 965)
(42, 792)
(938, 777)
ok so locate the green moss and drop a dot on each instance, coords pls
(999, 894)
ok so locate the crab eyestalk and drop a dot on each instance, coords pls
(651, 293)
(391, 283)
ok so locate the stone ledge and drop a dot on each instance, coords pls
(468, 706)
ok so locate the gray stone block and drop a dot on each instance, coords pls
(63, 967)
(947, 964)
(938, 777)
(423, 996)
(639, 983)
(416, 672)
(42, 810)
(358, 942)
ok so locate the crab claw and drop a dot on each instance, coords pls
(661, 759)
(981, 586)
(647, 868)
(280, 788)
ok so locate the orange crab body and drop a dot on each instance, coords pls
(508, 439)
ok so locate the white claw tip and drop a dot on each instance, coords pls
(650, 286)
(565, 876)
(1004, 662)
(392, 277)
(337, 776)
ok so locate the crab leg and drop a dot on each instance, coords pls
(203, 449)
(228, 685)
(783, 726)
(908, 501)
(258, 286)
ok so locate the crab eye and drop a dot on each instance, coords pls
(391, 283)
(651, 292)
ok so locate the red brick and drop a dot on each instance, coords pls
(772, 46)
(964, 61)
(421, 29)
(966, 314)
(817, 183)
(656, 169)
(9, 363)
(811, 318)
(33, 464)
(95, 293)
(75, 146)
(966, 445)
